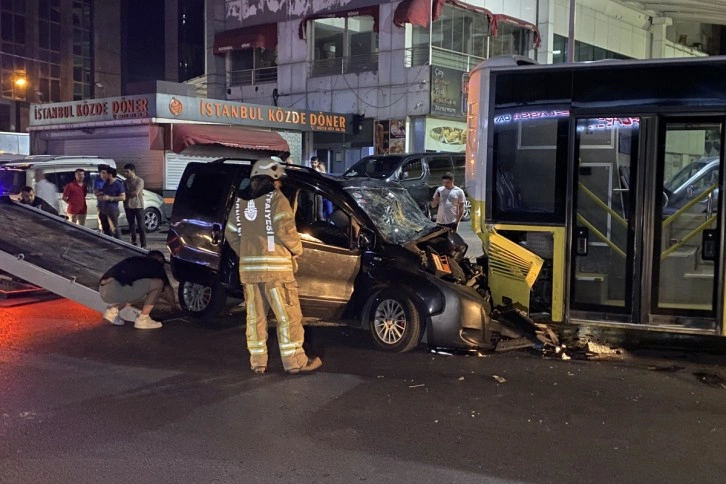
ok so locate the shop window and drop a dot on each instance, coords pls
(344, 44)
(528, 161)
(511, 40)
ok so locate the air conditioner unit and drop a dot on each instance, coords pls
(234, 93)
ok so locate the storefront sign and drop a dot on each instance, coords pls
(448, 88)
(445, 135)
(247, 13)
(92, 110)
(185, 108)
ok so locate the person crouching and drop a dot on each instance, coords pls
(135, 279)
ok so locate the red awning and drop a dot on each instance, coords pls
(371, 11)
(184, 135)
(264, 36)
(495, 20)
(417, 12)
(420, 12)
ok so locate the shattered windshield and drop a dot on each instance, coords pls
(394, 212)
(380, 167)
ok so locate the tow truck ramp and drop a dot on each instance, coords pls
(55, 254)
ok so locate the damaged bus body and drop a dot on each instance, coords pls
(595, 190)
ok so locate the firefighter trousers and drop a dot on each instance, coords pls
(283, 298)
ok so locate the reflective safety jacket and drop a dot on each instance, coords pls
(262, 233)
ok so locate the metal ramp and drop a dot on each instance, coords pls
(57, 255)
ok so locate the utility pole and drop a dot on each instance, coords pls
(571, 33)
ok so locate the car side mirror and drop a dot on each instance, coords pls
(366, 239)
(404, 175)
(689, 191)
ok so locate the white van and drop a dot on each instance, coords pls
(60, 170)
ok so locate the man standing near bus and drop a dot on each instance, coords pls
(451, 200)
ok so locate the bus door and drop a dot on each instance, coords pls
(646, 222)
(685, 286)
(603, 257)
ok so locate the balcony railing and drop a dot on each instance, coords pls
(344, 65)
(250, 77)
(419, 56)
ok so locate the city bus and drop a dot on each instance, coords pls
(595, 190)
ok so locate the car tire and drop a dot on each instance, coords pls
(395, 323)
(200, 300)
(467, 211)
(152, 219)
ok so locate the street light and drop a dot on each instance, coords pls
(21, 81)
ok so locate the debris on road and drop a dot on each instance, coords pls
(500, 379)
(416, 386)
(710, 379)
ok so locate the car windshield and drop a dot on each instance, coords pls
(680, 178)
(11, 181)
(374, 167)
(394, 212)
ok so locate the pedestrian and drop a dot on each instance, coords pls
(98, 184)
(46, 190)
(261, 230)
(318, 165)
(451, 200)
(134, 204)
(28, 197)
(111, 193)
(136, 279)
(74, 194)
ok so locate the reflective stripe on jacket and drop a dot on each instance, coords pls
(262, 232)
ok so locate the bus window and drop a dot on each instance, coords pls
(527, 173)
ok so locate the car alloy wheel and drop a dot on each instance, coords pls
(201, 300)
(152, 219)
(395, 323)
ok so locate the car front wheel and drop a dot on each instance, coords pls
(152, 219)
(467, 211)
(200, 300)
(395, 322)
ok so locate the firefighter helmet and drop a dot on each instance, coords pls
(268, 167)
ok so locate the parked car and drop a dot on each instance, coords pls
(691, 182)
(419, 173)
(60, 170)
(376, 260)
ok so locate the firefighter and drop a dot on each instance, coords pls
(261, 230)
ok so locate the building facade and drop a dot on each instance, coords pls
(55, 51)
(401, 67)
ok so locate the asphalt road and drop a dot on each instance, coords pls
(86, 402)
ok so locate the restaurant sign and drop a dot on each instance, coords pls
(185, 108)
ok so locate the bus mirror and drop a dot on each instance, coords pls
(582, 234)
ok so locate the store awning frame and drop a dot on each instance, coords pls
(264, 36)
(184, 135)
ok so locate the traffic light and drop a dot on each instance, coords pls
(357, 123)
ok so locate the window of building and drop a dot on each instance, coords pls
(511, 40)
(583, 52)
(344, 44)
(82, 56)
(49, 51)
(458, 39)
(252, 66)
(13, 63)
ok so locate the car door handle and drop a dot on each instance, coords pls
(216, 233)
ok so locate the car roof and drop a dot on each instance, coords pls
(30, 162)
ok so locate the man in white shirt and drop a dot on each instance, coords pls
(46, 190)
(450, 199)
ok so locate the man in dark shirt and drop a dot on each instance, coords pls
(112, 192)
(134, 279)
(27, 197)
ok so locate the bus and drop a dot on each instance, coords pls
(595, 189)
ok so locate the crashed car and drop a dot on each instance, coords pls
(370, 257)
